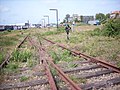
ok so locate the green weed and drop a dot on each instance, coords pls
(11, 67)
(21, 56)
(30, 63)
(7, 41)
(73, 65)
(1, 56)
(61, 56)
(23, 78)
(78, 80)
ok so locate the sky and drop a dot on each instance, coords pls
(20, 11)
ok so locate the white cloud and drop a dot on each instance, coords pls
(50, 1)
(4, 9)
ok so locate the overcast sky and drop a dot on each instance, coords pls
(19, 11)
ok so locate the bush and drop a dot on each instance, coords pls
(112, 27)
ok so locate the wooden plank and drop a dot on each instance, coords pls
(93, 74)
(23, 84)
(77, 69)
(20, 75)
(100, 84)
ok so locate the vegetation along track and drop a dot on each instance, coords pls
(84, 74)
(91, 73)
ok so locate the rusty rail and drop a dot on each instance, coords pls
(61, 73)
(45, 64)
(92, 59)
(9, 55)
(64, 77)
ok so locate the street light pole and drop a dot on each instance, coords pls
(47, 17)
(56, 15)
(44, 22)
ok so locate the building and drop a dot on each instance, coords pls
(115, 14)
(76, 16)
(70, 19)
(85, 19)
(2, 27)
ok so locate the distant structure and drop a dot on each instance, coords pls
(115, 14)
(85, 19)
(76, 16)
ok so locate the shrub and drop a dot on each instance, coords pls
(112, 27)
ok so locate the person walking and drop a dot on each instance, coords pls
(67, 29)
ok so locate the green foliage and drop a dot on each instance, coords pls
(60, 30)
(73, 65)
(61, 56)
(1, 57)
(23, 78)
(112, 27)
(7, 41)
(53, 71)
(67, 16)
(11, 67)
(21, 56)
(118, 64)
(101, 17)
(96, 32)
(78, 80)
(76, 20)
(30, 63)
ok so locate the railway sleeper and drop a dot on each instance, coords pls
(23, 84)
(80, 68)
(97, 85)
(95, 74)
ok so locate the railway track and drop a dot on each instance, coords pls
(88, 74)
(91, 72)
(6, 61)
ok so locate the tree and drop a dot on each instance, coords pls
(101, 17)
(81, 17)
(64, 20)
(67, 16)
(107, 16)
(76, 20)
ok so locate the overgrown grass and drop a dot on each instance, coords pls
(92, 42)
(1, 57)
(11, 67)
(72, 65)
(78, 80)
(7, 41)
(61, 56)
(21, 56)
(60, 30)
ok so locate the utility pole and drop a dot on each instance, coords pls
(28, 24)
